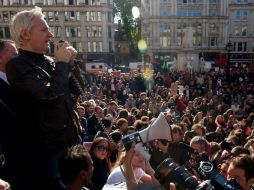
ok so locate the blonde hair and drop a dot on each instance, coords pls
(23, 20)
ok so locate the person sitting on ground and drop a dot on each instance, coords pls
(100, 153)
(118, 174)
(75, 168)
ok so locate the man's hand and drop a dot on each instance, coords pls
(65, 52)
(4, 185)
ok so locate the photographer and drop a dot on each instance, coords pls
(241, 168)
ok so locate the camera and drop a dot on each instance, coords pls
(60, 43)
(169, 171)
(128, 139)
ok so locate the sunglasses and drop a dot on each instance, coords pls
(101, 148)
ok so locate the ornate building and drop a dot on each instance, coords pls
(213, 23)
(86, 24)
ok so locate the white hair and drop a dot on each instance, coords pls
(23, 20)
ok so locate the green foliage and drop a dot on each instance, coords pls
(131, 27)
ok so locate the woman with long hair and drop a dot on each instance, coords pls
(142, 170)
(99, 152)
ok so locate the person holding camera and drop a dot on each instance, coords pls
(241, 168)
(47, 124)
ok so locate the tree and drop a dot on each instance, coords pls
(131, 27)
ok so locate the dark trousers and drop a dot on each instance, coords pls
(36, 170)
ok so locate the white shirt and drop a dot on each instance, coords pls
(3, 76)
(116, 176)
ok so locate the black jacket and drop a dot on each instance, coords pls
(47, 109)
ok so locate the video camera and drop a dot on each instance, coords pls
(169, 171)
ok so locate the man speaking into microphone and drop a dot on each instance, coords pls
(47, 126)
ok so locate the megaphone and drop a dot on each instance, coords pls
(159, 129)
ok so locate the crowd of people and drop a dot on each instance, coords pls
(61, 130)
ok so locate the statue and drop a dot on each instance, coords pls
(188, 37)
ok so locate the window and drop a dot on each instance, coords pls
(244, 31)
(237, 31)
(164, 41)
(198, 40)
(77, 46)
(242, 46)
(199, 28)
(12, 13)
(72, 31)
(78, 15)
(212, 41)
(242, 1)
(66, 16)
(100, 47)
(99, 16)
(51, 16)
(88, 29)
(72, 15)
(241, 14)
(179, 40)
(57, 31)
(99, 31)
(213, 28)
(164, 28)
(87, 16)
(56, 15)
(164, 1)
(7, 32)
(237, 15)
(93, 16)
(89, 46)
(94, 46)
(244, 15)
(213, 12)
(5, 16)
(94, 31)
(164, 12)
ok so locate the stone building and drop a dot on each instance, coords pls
(87, 24)
(213, 24)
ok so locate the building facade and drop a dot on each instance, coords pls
(87, 25)
(213, 24)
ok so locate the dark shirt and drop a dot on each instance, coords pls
(46, 117)
(100, 174)
(45, 93)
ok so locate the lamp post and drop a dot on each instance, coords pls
(229, 48)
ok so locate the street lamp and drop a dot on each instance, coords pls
(229, 48)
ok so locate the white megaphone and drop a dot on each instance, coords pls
(159, 129)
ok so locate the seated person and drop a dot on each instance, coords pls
(100, 152)
(138, 163)
(75, 169)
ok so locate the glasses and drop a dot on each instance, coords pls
(101, 148)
